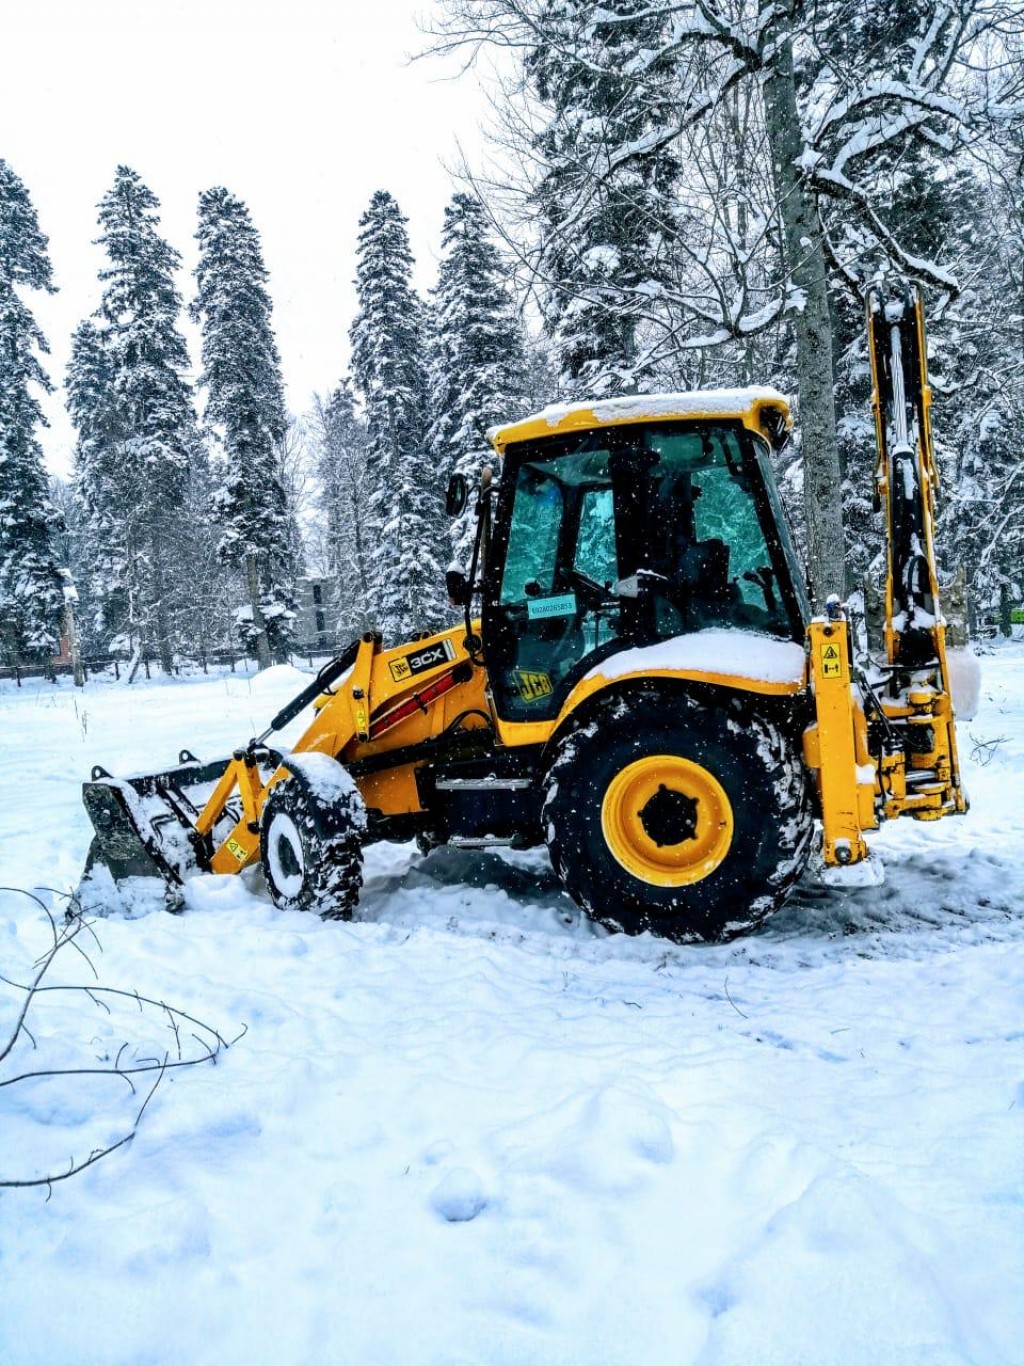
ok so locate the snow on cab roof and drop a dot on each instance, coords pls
(566, 417)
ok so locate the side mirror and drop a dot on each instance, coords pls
(456, 581)
(457, 496)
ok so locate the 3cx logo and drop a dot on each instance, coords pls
(422, 660)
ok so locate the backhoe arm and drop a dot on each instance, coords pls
(888, 748)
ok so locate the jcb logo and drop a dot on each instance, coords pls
(429, 658)
(532, 686)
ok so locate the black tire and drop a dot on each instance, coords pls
(743, 853)
(311, 839)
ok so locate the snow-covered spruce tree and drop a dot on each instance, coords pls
(477, 363)
(31, 597)
(404, 502)
(106, 566)
(605, 230)
(345, 551)
(131, 401)
(245, 405)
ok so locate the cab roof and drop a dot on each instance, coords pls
(751, 406)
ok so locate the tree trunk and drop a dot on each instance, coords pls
(163, 623)
(252, 578)
(71, 626)
(955, 610)
(805, 264)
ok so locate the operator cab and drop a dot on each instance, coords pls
(625, 535)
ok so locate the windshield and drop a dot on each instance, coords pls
(642, 532)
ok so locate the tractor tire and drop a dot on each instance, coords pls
(688, 818)
(311, 839)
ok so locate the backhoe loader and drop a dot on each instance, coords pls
(638, 681)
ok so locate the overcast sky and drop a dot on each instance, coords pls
(302, 108)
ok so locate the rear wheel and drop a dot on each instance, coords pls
(311, 839)
(686, 818)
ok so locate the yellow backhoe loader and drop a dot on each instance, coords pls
(643, 688)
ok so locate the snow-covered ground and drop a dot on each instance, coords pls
(470, 1129)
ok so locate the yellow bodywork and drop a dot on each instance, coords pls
(362, 718)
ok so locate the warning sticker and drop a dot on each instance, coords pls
(428, 657)
(831, 662)
(532, 686)
(237, 850)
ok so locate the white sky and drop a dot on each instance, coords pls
(302, 108)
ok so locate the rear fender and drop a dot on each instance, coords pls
(777, 672)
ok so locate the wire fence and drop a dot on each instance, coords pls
(310, 654)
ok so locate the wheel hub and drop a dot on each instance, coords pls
(667, 820)
(669, 817)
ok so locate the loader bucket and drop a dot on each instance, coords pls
(145, 825)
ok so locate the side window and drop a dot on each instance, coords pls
(595, 545)
(725, 511)
(533, 536)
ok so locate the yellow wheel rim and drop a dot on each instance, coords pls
(667, 820)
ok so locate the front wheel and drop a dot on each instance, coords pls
(311, 838)
(687, 818)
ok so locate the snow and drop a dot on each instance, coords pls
(744, 654)
(330, 782)
(965, 677)
(638, 407)
(470, 1128)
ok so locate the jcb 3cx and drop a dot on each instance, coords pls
(642, 688)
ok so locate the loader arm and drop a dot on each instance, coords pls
(383, 699)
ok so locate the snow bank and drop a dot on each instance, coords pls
(278, 678)
(744, 654)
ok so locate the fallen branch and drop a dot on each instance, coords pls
(210, 1042)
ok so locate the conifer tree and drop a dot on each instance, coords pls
(31, 598)
(106, 570)
(478, 365)
(606, 232)
(404, 500)
(341, 503)
(242, 376)
(132, 405)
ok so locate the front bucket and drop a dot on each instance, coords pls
(145, 825)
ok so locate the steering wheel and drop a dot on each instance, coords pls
(596, 594)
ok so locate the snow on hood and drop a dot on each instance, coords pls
(744, 654)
